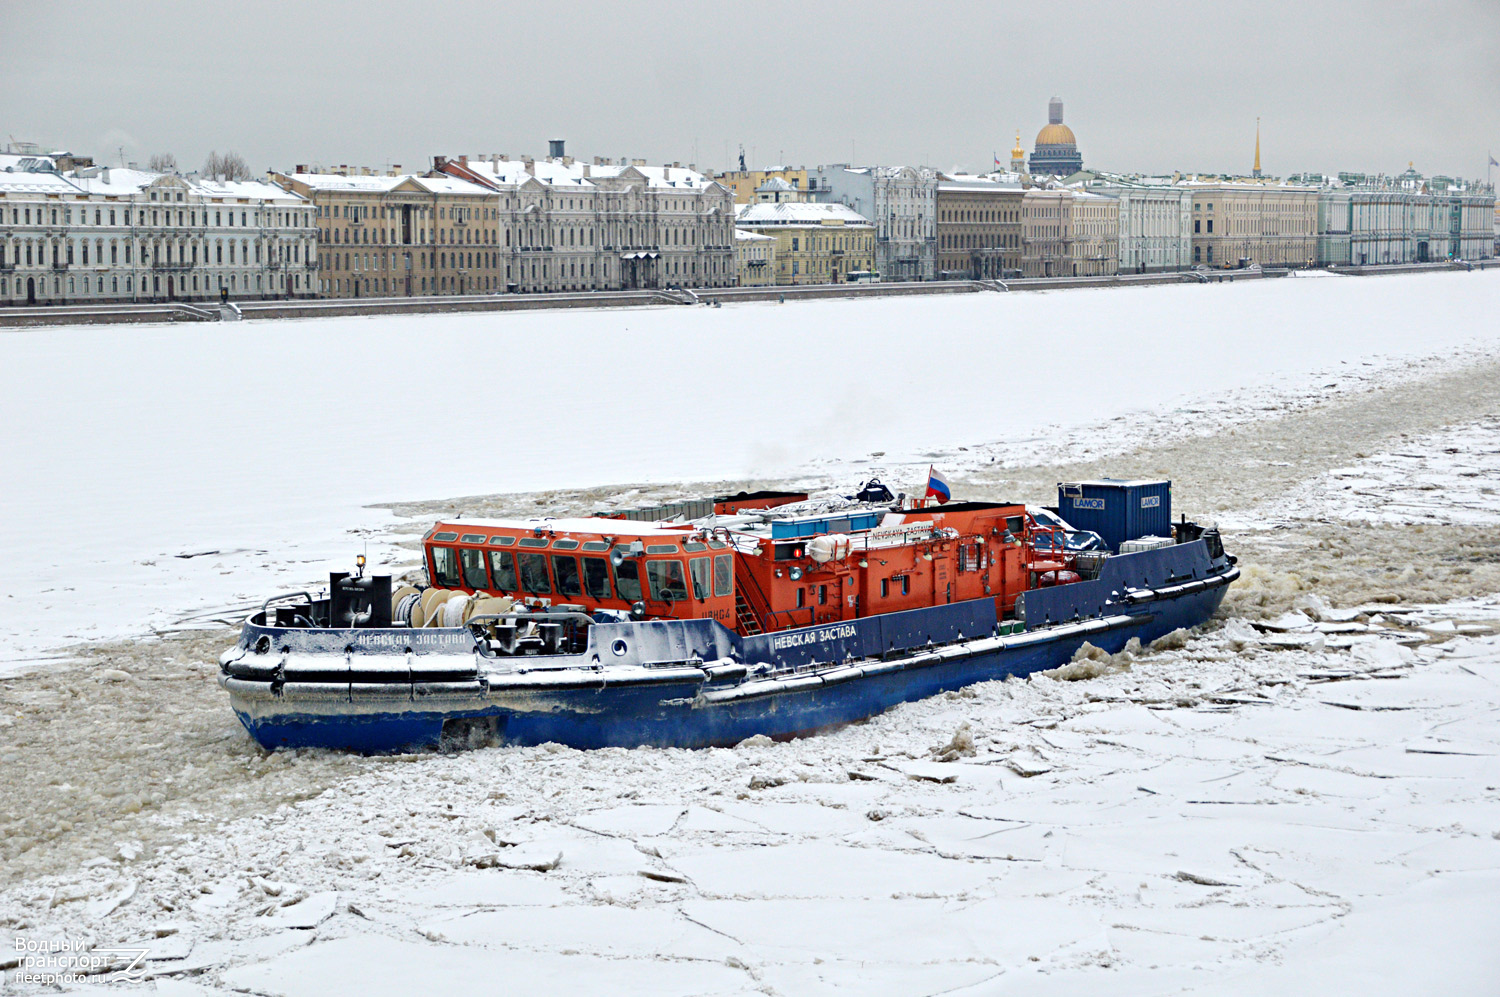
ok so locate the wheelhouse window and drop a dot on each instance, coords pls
(698, 568)
(723, 575)
(445, 568)
(565, 570)
(596, 577)
(628, 578)
(475, 577)
(534, 574)
(668, 582)
(503, 570)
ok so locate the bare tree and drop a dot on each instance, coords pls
(162, 162)
(230, 165)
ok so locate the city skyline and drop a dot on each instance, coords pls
(1173, 87)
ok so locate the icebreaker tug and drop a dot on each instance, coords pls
(710, 621)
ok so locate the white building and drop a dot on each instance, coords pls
(110, 235)
(565, 224)
(1403, 219)
(901, 202)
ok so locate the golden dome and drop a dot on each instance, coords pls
(1057, 134)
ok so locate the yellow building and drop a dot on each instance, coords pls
(400, 235)
(745, 182)
(815, 243)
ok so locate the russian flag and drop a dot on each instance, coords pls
(937, 486)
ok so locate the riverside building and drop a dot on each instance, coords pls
(399, 235)
(900, 201)
(815, 243)
(566, 225)
(104, 235)
(1237, 223)
(978, 228)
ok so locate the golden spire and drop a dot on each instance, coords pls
(1018, 152)
(1256, 171)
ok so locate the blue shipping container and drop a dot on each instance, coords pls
(1116, 509)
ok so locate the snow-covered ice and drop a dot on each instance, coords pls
(1305, 797)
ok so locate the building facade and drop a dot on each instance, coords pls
(1155, 226)
(754, 258)
(1095, 251)
(1047, 232)
(566, 225)
(1241, 222)
(399, 235)
(978, 228)
(1055, 152)
(96, 235)
(815, 243)
(900, 201)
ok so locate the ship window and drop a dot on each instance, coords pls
(445, 568)
(596, 545)
(801, 597)
(717, 544)
(565, 545)
(475, 576)
(906, 584)
(472, 538)
(534, 574)
(885, 588)
(596, 576)
(822, 595)
(723, 574)
(661, 548)
(667, 580)
(565, 570)
(1013, 524)
(503, 541)
(694, 547)
(698, 567)
(628, 579)
(533, 541)
(445, 536)
(503, 570)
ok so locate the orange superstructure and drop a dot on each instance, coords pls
(755, 577)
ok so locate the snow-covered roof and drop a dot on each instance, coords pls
(775, 184)
(338, 181)
(255, 190)
(114, 182)
(795, 213)
(745, 235)
(560, 173)
(449, 185)
(36, 183)
(955, 182)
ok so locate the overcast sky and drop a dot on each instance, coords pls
(1361, 86)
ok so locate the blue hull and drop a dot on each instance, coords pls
(693, 684)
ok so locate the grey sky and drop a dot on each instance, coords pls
(1155, 87)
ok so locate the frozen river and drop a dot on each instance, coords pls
(1288, 801)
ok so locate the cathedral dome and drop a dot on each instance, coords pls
(1056, 134)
